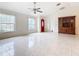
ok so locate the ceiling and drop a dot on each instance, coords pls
(47, 7)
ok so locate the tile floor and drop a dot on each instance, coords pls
(41, 44)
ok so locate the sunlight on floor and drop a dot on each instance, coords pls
(7, 49)
(30, 42)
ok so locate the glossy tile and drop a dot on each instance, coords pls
(40, 44)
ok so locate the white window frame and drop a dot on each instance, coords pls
(31, 24)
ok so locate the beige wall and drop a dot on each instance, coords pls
(21, 24)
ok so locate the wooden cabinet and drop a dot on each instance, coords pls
(66, 24)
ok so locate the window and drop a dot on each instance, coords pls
(7, 23)
(31, 23)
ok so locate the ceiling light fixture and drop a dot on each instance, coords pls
(35, 9)
(58, 4)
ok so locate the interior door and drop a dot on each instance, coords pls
(42, 25)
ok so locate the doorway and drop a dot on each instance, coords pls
(42, 25)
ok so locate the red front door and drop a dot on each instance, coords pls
(42, 25)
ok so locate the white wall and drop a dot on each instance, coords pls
(21, 24)
(53, 23)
